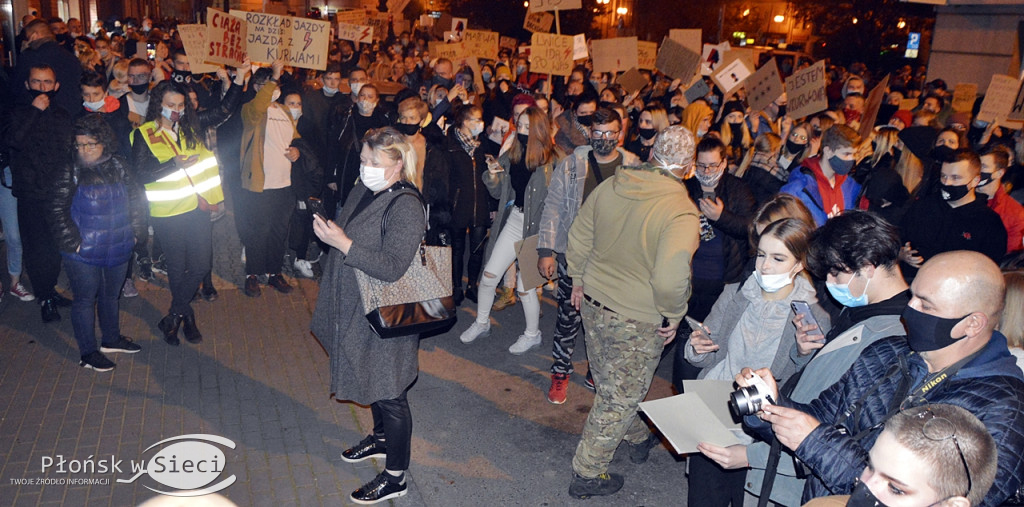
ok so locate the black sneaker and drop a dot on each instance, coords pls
(589, 383)
(145, 269)
(49, 311)
(209, 293)
(380, 489)
(123, 345)
(160, 266)
(604, 484)
(97, 361)
(252, 286)
(638, 453)
(278, 282)
(61, 300)
(370, 447)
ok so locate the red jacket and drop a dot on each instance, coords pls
(1012, 215)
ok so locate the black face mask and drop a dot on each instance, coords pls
(953, 192)
(36, 93)
(840, 166)
(586, 121)
(523, 138)
(646, 133)
(407, 129)
(782, 111)
(605, 104)
(794, 148)
(447, 83)
(941, 153)
(139, 89)
(861, 496)
(986, 178)
(928, 332)
(604, 147)
(181, 76)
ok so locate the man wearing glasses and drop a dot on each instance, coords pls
(952, 354)
(573, 180)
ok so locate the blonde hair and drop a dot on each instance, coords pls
(765, 143)
(659, 117)
(120, 70)
(392, 143)
(885, 139)
(1012, 322)
(911, 170)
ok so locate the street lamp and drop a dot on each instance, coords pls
(901, 25)
(779, 18)
(622, 11)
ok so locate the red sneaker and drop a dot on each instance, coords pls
(559, 385)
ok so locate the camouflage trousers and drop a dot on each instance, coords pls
(623, 355)
(567, 324)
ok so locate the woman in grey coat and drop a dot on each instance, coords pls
(365, 368)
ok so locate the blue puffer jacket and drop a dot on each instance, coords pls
(804, 186)
(97, 212)
(991, 387)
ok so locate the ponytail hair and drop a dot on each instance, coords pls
(391, 142)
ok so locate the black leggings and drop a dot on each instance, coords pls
(392, 421)
(477, 238)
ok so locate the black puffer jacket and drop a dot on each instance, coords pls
(96, 212)
(39, 143)
(471, 203)
(733, 223)
(307, 174)
(990, 386)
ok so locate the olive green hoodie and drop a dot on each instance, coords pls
(632, 244)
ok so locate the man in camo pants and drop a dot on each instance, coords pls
(629, 257)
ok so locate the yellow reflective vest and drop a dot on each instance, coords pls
(179, 192)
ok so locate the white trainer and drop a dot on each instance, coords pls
(303, 268)
(525, 343)
(475, 331)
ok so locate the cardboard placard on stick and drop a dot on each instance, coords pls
(699, 89)
(455, 51)
(193, 38)
(632, 80)
(964, 96)
(731, 73)
(300, 42)
(481, 43)
(225, 36)
(554, 5)
(764, 86)
(539, 22)
(677, 61)
(690, 38)
(355, 33)
(551, 54)
(614, 55)
(647, 54)
(1002, 90)
(805, 91)
(712, 55)
(441, 25)
(871, 106)
(352, 17)
(506, 42)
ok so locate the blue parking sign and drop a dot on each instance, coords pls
(914, 41)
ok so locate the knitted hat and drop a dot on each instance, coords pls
(919, 140)
(905, 116)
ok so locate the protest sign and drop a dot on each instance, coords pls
(647, 54)
(689, 38)
(300, 42)
(712, 56)
(632, 80)
(699, 89)
(225, 36)
(193, 38)
(805, 91)
(507, 42)
(551, 54)
(539, 22)
(459, 25)
(379, 22)
(554, 5)
(910, 104)
(355, 33)
(481, 43)
(871, 107)
(1002, 90)
(352, 17)
(441, 25)
(764, 86)
(579, 47)
(397, 6)
(456, 51)
(615, 55)
(963, 97)
(676, 61)
(731, 74)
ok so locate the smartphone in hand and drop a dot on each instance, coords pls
(317, 207)
(802, 308)
(696, 325)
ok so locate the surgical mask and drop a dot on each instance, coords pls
(296, 113)
(928, 332)
(94, 106)
(840, 166)
(366, 106)
(104, 53)
(604, 147)
(586, 121)
(709, 180)
(486, 76)
(477, 130)
(139, 89)
(842, 294)
(407, 129)
(181, 76)
(773, 283)
(986, 178)
(170, 114)
(355, 88)
(953, 192)
(861, 496)
(520, 69)
(275, 95)
(596, 84)
(647, 134)
(329, 91)
(373, 178)
(794, 148)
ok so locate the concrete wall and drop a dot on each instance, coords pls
(973, 42)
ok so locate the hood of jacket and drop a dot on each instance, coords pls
(994, 359)
(644, 182)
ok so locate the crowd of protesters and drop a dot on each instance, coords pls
(755, 210)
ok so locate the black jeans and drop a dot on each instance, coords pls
(392, 421)
(713, 486)
(187, 241)
(40, 253)
(477, 236)
(705, 293)
(301, 232)
(268, 215)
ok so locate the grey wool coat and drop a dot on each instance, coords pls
(364, 367)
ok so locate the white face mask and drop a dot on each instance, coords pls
(373, 178)
(94, 106)
(329, 91)
(773, 283)
(296, 113)
(355, 88)
(475, 131)
(366, 106)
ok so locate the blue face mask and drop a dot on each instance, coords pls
(842, 294)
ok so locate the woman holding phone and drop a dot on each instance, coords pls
(751, 324)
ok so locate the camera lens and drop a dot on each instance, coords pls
(745, 401)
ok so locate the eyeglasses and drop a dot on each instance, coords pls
(708, 167)
(87, 146)
(937, 429)
(796, 137)
(604, 134)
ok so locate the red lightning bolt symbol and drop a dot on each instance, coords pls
(366, 33)
(309, 40)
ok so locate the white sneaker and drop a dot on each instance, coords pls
(19, 291)
(303, 268)
(525, 343)
(475, 331)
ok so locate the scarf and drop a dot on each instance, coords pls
(468, 143)
(766, 161)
